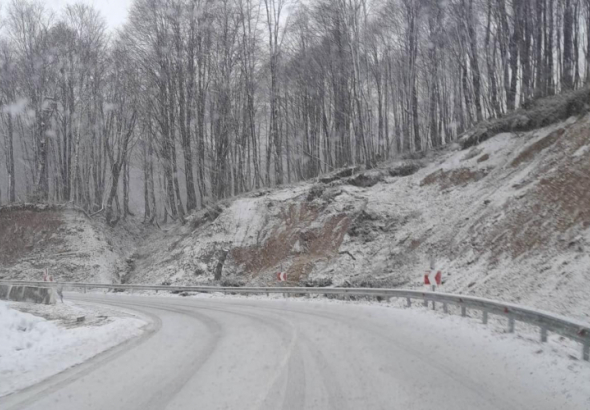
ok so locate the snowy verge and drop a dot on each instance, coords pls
(36, 346)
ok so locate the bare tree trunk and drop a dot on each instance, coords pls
(549, 77)
(587, 75)
(412, 11)
(126, 210)
(147, 213)
(113, 192)
(567, 78)
(539, 61)
(473, 60)
(514, 43)
(525, 51)
(491, 64)
(433, 20)
(10, 169)
(184, 109)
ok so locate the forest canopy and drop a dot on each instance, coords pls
(204, 99)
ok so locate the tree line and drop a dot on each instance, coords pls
(209, 99)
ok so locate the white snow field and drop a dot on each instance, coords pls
(230, 353)
(33, 348)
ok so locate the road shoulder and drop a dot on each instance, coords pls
(40, 341)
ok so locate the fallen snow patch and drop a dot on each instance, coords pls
(33, 348)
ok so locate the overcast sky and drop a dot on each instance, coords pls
(114, 11)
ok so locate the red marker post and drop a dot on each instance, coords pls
(432, 278)
(436, 280)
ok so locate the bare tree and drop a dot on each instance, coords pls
(121, 117)
(10, 109)
(214, 98)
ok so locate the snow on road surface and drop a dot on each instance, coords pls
(33, 348)
(222, 353)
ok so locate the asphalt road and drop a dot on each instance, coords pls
(224, 353)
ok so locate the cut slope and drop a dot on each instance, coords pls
(62, 240)
(507, 219)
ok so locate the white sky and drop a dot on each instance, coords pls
(113, 11)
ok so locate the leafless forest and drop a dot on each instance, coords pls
(209, 99)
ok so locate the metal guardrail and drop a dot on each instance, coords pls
(547, 322)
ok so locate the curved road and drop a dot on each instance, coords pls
(230, 353)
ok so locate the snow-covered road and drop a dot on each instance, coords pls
(224, 353)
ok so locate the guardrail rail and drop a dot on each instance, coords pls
(545, 321)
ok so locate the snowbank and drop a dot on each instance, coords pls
(33, 348)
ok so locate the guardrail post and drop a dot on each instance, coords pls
(543, 334)
(409, 302)
(586, 350)
(445, 308)
(510, 324)
(484, 317)
(463, 311)
(425, 302)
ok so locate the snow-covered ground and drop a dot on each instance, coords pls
(258, 353)
(36, 346)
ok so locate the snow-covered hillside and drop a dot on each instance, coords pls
(506, 219)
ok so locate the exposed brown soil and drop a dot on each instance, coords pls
(559, 202)
(483, 158)
(454, 177)
(313, 244)
(414, 244)
(27, 231)
(532, 150)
